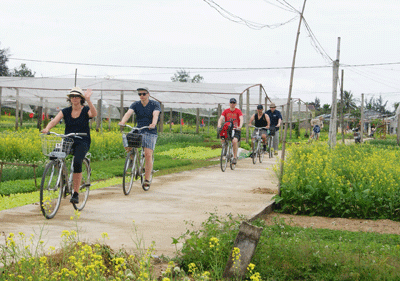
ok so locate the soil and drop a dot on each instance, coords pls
(378, 226)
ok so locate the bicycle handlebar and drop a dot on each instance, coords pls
(136, 128)
(67, 135)
(258, 127)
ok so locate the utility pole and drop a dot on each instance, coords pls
(362, 119)
(333, 119)
(289, 98)
(342, 108)
(398, 125)
(76, 74)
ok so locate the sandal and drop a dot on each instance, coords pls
(146, 185)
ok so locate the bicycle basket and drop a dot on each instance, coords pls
(271, 132)
(53, 146)
(134, 139)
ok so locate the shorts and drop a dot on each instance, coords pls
(262, 132)
(238, 134)
(149, 140)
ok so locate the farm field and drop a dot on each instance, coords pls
(192, 199)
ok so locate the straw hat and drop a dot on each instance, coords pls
(76, 91)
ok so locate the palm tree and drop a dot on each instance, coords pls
(349, 101)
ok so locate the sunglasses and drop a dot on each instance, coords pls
(142, 94)
(233, 102)
(74, 96)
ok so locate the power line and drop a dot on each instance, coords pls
(315, 43)
(166, 67)
(235, 18)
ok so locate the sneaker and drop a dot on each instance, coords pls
(75, 198)
(234, 161)
(264, 147)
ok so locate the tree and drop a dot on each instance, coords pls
(349, 102)
(316, 104)
(377, 104)
(3, 61)
(23, 71)
(396, 105)
(184, 76)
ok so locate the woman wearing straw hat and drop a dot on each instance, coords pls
(76, 118)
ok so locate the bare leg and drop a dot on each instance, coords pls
(148, 156)
(235, 147)
(77, 179)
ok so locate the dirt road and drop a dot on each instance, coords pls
(158, 214)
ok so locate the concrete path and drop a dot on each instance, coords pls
(158, 214)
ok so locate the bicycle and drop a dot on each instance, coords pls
(56, 183)
(135, 160)
(270, 142)
(227, 153)
(258, 150)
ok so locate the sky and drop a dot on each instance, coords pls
(152, 39)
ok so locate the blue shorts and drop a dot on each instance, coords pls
(149, 140)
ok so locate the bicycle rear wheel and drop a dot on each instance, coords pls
(260, 152)
(224, 156)
(51, 189)
(85, 185)
(143, 172)
(129, 172)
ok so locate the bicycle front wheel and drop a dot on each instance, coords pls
(255, 150)
(85, 185)
(270, 150)
(231, 157)
(224, 156)
(129, 172)
(260, 152)
(51, 189)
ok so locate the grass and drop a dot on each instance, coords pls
(284, 252)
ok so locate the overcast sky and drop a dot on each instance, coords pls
(134, 37)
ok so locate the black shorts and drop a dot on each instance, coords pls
(238, 134)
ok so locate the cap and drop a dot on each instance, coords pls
(232, 100)
(272, 105)
(260, 106)
(143, 89)
(76, 91)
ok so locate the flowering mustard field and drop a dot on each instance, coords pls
(359, 181)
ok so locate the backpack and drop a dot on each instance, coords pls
(317, 129)
(226, 130)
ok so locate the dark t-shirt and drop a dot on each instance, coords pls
(260, 122)
(144, 114)
(77, 125)
(274, 117)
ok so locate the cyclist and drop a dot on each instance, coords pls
(147, 112)
(275, 117)
(76, 118)
(317, 124)
(236, 115)
(261, 119)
